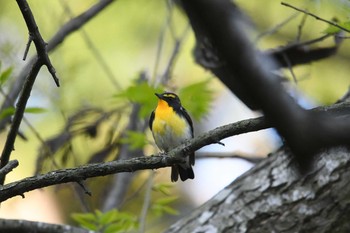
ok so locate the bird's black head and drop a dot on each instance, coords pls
(171, 98)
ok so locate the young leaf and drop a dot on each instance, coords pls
(163, 188)
(334, 30)
(5, 75)
(86, 220)
(35, 110)
(196, 98)
(7, 112)
(142, 94)
(136, 140)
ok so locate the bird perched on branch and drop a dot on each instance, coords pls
(171, 126)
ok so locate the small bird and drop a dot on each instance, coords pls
(171, 126)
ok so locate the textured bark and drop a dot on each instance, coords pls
(272, 197)
(20, 226)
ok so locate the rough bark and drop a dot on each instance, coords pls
(20, 226)
(272, 197)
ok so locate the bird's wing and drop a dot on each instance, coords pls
(151, 118)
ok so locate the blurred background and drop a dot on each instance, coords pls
(109, 70)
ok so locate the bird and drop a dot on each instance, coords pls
(171, 126)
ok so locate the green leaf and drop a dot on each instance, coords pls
(161, 206)
(35, 110)
(136, 140)
(166, 200)
(333, 29)
(196, 98)
(86, 220)
(163, 188)
(113, 228)
(170, 210)
(108, 217)
(5, 75)
(110, 221)
(142, 94)
(7, 112)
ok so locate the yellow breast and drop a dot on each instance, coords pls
(166, 119)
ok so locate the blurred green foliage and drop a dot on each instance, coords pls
(196, 98)
(112, 221)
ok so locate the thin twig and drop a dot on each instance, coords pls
(96, 53)
(35, 35)
(290, 67)
(66, 30)
(146, 203)
(8, 168)
(316, 17)
(249, 158)
(160, 43)
(178, 42)
(30, 40)
(276, 27)
(300, 27)
(82, 185)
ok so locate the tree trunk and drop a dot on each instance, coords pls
(274, 197)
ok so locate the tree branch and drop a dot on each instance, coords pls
(66, 30)
(34, 35)
(141, 163)
(8, 168)
(20, 226)
(17, 118)
(316, 17)
(83, 172)
(247, 72)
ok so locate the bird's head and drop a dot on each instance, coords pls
(168, 98)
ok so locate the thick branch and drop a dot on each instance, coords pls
(220, 23)
(272, 198)
(20, 226)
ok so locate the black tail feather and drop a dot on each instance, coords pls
(184, 172)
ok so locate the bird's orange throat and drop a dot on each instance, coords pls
(163, 109)
(162, 104)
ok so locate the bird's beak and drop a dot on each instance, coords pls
(158, 95)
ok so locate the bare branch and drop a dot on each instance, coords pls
(250, 158)
(83, 172)
(20, 226)
(17, 118)
(248, 74)
(316, 17)
(8, 168)
(66, 30)
(35, 36)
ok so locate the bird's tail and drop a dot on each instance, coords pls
(184, 172)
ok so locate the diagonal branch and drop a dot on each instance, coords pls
(316, 17)
(66, 30)
(220, 24)
(17, 118)
(35, 64)
(35, 36)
